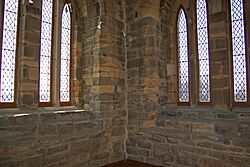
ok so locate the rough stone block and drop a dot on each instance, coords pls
(178, 124)
(143, 152)
(47, 129)
(17, 131)
(229, 129)
(118, 131)
(93, 10)
(33, 161)
(66, 128)
(33, 74)
(145, 145)
(22, 119)
(202, 127)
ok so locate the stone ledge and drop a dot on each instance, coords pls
(19, 117)
(47, 124)
(13, 111)
(206, 114)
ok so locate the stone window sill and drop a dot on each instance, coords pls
(239, 114)
(210, 109)
(16, 112)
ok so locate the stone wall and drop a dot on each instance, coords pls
(159, 131)
(145, 65)
(52, 138)
(90, 132)
(124, 91)
(193, 137)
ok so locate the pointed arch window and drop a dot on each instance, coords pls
(46, 52)
(65, 55)
(183, 61)
(203, 52)
(8, 47)
(240, 84)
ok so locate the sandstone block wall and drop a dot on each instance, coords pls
(159, 131)
(52, 138)
(90, 132)
(124, 91)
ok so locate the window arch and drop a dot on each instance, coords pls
(46, 52)
(183, 60)
(8, 52)
(240, 84)
(203, 51)
(65, 55)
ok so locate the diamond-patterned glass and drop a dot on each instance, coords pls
(45, 51)
(8, 55)
(239, 52)
(65, 56)
(183, 65)
(203, 51)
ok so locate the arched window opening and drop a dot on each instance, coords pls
(183, 63)
(46, 52)
(65, 55)
(8, 52)
(239, 52)
(203, 52)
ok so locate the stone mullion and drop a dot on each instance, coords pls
(56, 52)
(28, 58)
(76, 66)
(219, 59)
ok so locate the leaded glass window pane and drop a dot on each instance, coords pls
(65, 56)
(239, 52)
(45, 51)
(183, 65)
(8, 55)
(203, 51)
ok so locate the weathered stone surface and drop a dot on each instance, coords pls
(124, 90)
(202, 127)
(181, 136)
